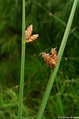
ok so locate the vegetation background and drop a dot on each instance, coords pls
(49, 18)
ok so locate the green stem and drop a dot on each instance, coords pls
(57, 18)
(60, 53)
(22, 63)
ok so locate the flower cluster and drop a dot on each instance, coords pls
(51, 59)
(28, 34)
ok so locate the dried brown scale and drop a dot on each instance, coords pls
(54, 54)
(28, 31)
(53, 51)
(34, 37)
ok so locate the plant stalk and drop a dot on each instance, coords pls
(54, 72)
(20, 106)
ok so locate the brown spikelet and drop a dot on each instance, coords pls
(33, 37)
(54, 54)
(28, 31)
(28, 34)
(50, 59)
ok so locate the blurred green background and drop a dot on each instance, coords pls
(49, 18)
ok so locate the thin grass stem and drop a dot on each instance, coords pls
(55, 17)
(20, 105)
(54, 72)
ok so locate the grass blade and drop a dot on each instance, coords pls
(22, 63)
(60, 53)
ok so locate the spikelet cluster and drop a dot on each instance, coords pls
(28, 34)
(51, 59)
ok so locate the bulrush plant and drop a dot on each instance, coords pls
(48, 59)
(52, 59)
(26, 38)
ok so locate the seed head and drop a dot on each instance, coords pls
(50, 59)
(28, 34)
